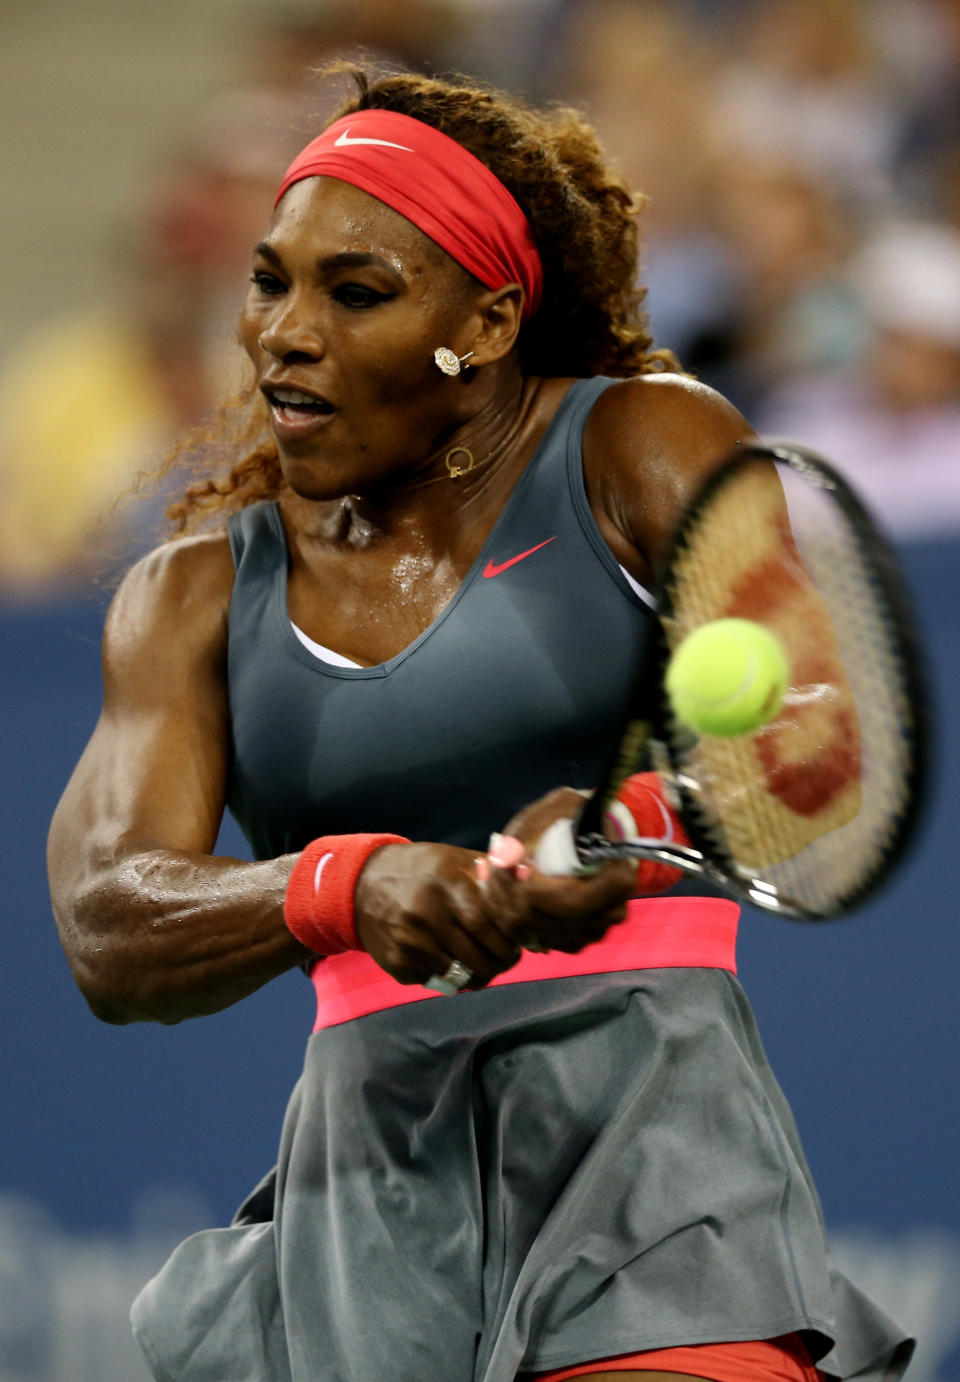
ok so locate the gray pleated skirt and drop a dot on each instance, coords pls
(533, 1176)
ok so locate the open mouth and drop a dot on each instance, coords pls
(298, 404)
(296, 413)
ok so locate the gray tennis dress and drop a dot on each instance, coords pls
(538, 1174)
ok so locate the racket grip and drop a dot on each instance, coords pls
(641, 810)
(556, 852)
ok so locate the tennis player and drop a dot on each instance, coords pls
(535, 1134)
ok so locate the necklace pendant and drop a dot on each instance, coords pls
(454, 470)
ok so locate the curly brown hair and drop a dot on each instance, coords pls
(584, 221)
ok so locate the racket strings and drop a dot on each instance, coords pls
(807, 808)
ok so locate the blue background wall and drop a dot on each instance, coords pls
(108, 1132)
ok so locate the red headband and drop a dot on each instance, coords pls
(434, 182)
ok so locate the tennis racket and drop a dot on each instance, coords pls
(807, 815)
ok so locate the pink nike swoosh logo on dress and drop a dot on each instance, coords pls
(493, 569)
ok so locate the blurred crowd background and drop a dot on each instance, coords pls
(801, 160)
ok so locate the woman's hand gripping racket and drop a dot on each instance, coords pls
(806, 813)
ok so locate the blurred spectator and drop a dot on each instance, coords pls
(746, 237)
(788, 239)
(923, 42)
(893, 424)
(89, 401)
(509, 44)
(417, 34)
(807, 84)
(643, 73)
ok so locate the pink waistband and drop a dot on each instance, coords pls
(658, 933)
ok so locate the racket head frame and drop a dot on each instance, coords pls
(650, 726)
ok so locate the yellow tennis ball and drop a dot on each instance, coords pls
(727, 678)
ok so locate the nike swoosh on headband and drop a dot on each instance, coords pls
(344, 138)
(492, 569)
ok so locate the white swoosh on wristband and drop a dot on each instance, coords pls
(321, 865)
(344, 138)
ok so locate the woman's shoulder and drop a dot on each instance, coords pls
(664, 414)
(648, 444)
(180, 592)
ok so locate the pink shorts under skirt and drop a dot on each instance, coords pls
(764, 1360)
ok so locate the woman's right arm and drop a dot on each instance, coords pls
(154, 927)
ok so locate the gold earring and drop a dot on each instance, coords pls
(447, 361)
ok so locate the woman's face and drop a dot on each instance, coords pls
(347, 303)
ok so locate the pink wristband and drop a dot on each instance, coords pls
(643, 797)
(318, 904)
